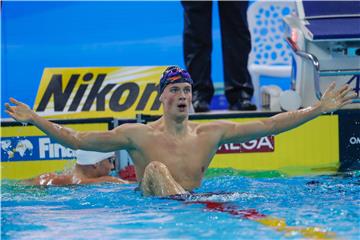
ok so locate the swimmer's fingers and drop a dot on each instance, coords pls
(14, 101)
(350, 96)
(8, 108)
(330, 89)
(19, 111)
(10, 113)
(343, 90)
(346, 103)
(13, 114)
(18, 103)
(347, 99)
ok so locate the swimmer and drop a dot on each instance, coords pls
(172, 154)
(90, 167)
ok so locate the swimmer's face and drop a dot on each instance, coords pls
(105, 166)
(176, 98)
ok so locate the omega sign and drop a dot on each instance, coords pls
(354, 140)
(264, 144)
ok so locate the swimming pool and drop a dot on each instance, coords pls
(329, 204)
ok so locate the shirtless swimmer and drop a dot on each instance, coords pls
(91, 167)
(171, 154)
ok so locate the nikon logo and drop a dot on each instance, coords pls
(121, 96)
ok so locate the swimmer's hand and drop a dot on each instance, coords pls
(333, 100)
(20, 111)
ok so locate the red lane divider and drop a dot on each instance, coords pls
(251, 214)
(278, 224)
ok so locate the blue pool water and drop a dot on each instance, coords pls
(330, 204)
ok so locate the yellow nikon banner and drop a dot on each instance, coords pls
(119, 92)
(27, 152)
(312, 146)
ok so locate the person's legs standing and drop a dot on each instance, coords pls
(197, 51)
(236, 46)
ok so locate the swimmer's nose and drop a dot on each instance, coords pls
(182, 97)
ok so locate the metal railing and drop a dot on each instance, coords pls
(318, 73)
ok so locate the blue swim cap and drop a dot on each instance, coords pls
(174, 74)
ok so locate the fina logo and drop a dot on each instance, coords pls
(354, 140)
(48, 149)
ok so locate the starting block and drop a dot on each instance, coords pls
(325, 37)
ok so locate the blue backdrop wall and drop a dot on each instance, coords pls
(36, 35)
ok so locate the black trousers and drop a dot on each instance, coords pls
(236, 46)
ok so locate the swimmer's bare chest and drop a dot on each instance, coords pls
(186, 158)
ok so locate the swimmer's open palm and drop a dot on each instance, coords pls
(333, 99)
(19, 111)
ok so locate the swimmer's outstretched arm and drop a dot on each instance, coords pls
(331, 101)
(102, 141)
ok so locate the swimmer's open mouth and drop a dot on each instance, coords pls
(182, 106)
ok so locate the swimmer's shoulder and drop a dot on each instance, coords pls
(156, 126)
(136, 132)
(48, 179)
(212, 126)
(59, 179)
(64, 179)
(132, 126)
(131, 129)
